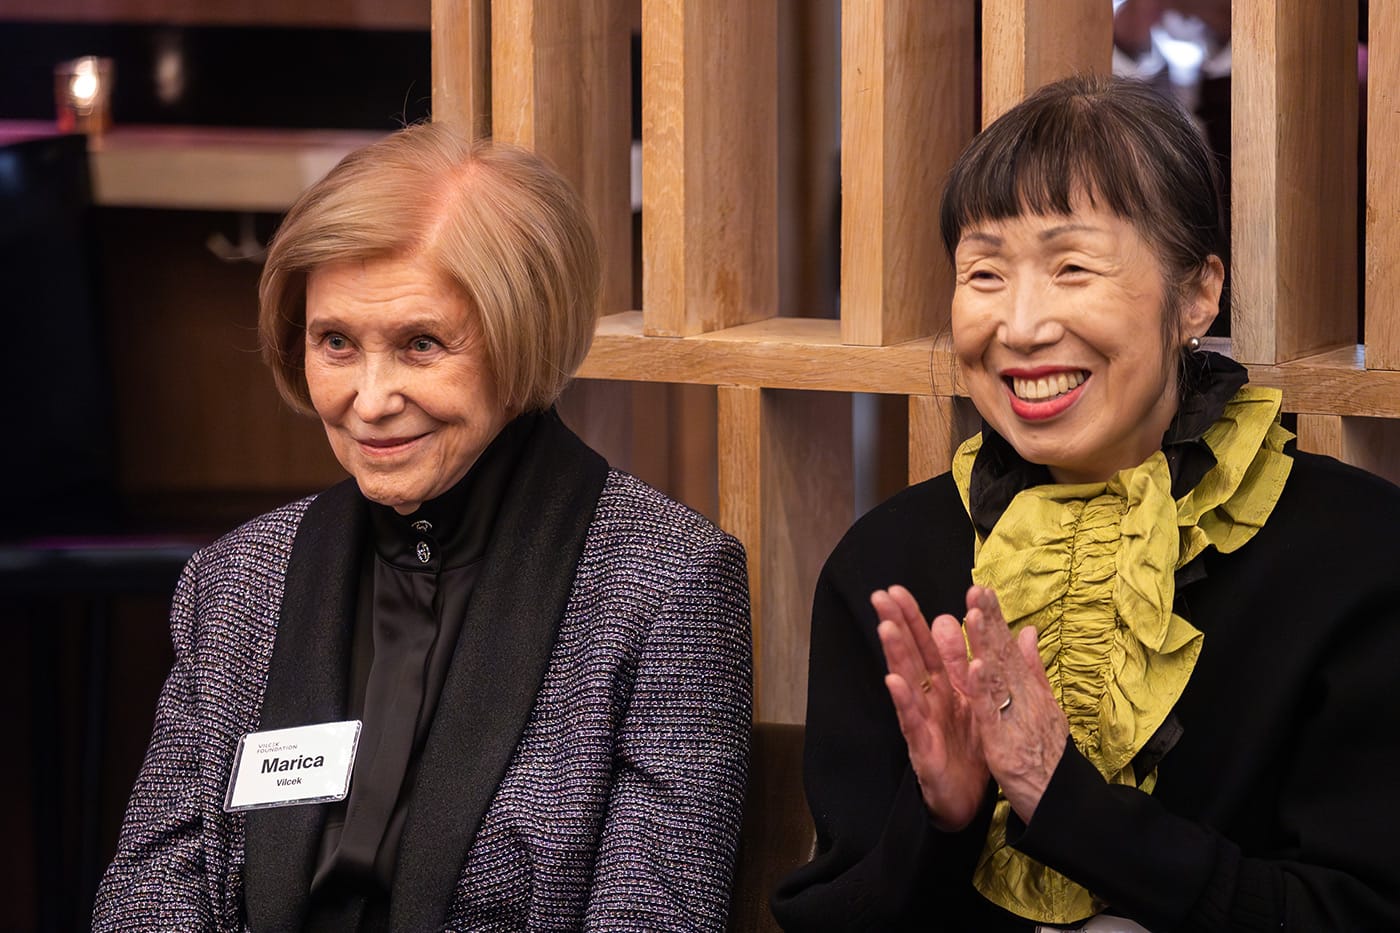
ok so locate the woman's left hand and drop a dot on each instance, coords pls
(1021, 725)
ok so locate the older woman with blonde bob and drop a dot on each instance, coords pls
(1156, 692)
(544, 664)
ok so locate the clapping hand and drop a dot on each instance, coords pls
(964, 718)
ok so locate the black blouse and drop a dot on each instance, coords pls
(418, 573)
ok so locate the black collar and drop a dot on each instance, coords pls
(458, 522)
(497, 668)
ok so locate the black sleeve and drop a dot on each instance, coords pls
(878, 851)
(1328, 860)
(1289, 822)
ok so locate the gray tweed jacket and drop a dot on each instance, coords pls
(585, 768)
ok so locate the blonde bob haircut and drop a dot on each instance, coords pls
(495, 220)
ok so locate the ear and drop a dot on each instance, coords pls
(1202, 300)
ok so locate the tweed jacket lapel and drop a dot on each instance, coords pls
(306, 684)
(499, 664)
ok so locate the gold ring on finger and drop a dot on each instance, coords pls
(926, 684)
(1005, 705)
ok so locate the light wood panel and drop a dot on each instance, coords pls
(937, 425)
(1027, 43)
(741, 500)
(1383, 189)
(908, 84)
(1293, 142)
(1373, 444)
(461, 53)
(709, 164)
(561, 85)
(786, 485)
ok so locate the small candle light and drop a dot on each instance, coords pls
(83, 94)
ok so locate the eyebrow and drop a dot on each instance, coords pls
(980, 236)
(1063, 229)
(399, 330)
(1050, 234)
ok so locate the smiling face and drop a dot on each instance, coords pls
(397, 371)
(1058, 329)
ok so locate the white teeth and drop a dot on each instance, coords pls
(1046, 387)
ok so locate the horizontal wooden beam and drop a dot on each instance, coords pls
(804, 353)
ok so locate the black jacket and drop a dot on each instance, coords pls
(1276, 810)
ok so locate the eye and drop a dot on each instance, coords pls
(335, 342)
(423, 344)
(980, 278)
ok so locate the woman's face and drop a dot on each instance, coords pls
(1057, 326)
(397, 369)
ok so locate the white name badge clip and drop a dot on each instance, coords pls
(282, 767)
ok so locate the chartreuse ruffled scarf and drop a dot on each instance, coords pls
(1092, 566)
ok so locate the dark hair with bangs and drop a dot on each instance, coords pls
(1112, 140)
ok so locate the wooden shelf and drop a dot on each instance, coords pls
(804, 353)
(779, 353)
(192, 168)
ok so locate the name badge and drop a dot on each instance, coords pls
(282, 767)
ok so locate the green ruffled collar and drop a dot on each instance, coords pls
(1093, 566)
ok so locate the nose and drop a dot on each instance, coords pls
(378, 388)
(1031, 321)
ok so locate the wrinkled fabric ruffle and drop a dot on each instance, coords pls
(1092, 566)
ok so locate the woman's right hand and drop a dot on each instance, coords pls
(928, 682)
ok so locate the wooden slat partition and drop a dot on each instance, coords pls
(1383, 189)
(709, 164)
(1294, 152)
(1027, 43)
(461, 50)
(785, 491)
(781, 384)
(908, 87)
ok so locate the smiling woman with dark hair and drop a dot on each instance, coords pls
(1156, 693)
(487, 683)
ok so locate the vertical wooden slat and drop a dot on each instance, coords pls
(1321, 434)
(1027, 43)
(709, 164)
(908, 80)
(1293, 148)
(461, 63)
(785, 491)
(1373, 444)
(561, 85)
(808, 504)
(1383, 188)
(692, 433)
(741, 498)
(937, 425)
